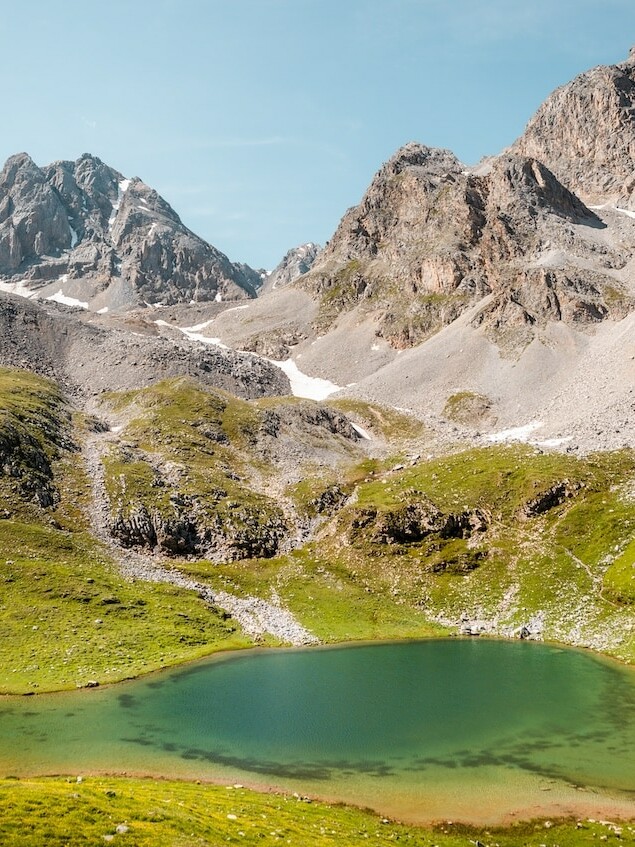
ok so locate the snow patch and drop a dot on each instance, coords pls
(302, 385)
(610, 208)
(196, 328)
(74, 236)
(102, 311)
(204, 339)
(194, 333)
(517, 433)
(552, 442)
(121, 190)
(236, 309)
(60, 297)
(218, 298)
(20, 288)
(360, 431)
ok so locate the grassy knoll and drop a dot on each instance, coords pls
(144, 813)
(389, 423)
(324, 594)
(546, 542)
(67, 617)
(216, 474)
(208, 439)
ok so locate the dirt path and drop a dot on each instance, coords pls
(256, 616)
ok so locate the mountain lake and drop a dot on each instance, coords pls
(476, 730)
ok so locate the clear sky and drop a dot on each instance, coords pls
(262, 121)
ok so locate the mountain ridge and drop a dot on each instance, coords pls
(84, 230)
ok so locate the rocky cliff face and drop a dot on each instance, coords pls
(432, 238)
(298, 261)
(80, 230)
(585, 134)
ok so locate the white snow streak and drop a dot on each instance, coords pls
(517, 433)
(361, 431)
(236, 309)
(552, 442)
(614, 209)
(20, 288)
(302, 385)
(523, 433)
(121, 190)
(193, 332)
(60, 297)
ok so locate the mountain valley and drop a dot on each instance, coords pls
(425, 428)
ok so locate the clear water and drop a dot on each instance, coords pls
(436, 727)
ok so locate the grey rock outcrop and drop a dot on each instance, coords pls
(413, 522)
(296, 262)
(86, 358)
(110, 242)
(431, 239)
(585, 133)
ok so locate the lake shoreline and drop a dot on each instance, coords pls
(233, 652)
(610, 808)
(479, 793)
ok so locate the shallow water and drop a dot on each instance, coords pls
(456, 728)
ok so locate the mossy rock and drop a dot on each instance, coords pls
(468, 408)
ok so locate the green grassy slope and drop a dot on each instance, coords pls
(563, 569)
(145, 813)
(67, 617)
(505, 536)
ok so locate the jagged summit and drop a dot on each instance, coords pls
(630, 59)
(81, 232)
(296, 262)
(430, 239)
(585, 133)
(434, 159)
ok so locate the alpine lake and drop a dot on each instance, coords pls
(459, 729)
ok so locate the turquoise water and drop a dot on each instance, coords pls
(375, 723)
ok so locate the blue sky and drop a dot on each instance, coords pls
(262, 121)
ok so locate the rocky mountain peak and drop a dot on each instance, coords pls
(413, 154)
(14, 164)
(296, 262)
(82, 232)
(528, 186)
(430, 239)
(630, 60)
(585, 134)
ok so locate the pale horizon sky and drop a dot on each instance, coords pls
(262, 121)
